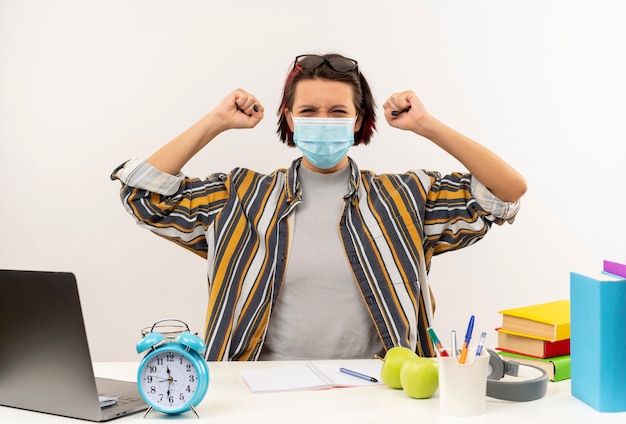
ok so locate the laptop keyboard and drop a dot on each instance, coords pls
(118, 400)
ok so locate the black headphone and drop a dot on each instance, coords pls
(520, 391)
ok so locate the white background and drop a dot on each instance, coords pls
(86, 85)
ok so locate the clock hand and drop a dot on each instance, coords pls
(169, 381)
(169, 373)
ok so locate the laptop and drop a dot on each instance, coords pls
(45, 364)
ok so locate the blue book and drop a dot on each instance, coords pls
(598, 340)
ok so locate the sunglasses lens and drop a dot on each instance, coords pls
(310, 62)
(341, 64)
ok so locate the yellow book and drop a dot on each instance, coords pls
(548, 321)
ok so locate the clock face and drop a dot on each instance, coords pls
(168, 380)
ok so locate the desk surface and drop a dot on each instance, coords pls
(229, 401)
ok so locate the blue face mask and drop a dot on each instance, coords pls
(323, 141)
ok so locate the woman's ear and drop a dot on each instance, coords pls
(357, 124)
(288, 118)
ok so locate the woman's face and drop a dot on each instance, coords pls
(318, 98)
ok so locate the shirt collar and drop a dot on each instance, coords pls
(294, 190)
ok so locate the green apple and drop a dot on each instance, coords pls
(394, 358)
(420, 377)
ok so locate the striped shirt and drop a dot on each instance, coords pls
(242, 223)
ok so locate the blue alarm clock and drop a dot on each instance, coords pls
(173, 377)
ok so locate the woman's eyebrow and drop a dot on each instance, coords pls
(306, 106)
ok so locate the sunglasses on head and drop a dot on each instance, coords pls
(311, 62)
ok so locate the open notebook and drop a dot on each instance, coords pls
(314, 375)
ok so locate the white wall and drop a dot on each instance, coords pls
(86, 85)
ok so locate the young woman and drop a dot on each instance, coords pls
(321, 259)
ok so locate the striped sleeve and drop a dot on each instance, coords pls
(460, 210)
(489, 202)
(177, 208)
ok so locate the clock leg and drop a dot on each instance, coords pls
(147, 412)
(194, 411)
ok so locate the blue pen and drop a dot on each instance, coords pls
(468, 337)
(358, 375)
(481, 343)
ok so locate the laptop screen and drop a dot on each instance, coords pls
(45, 364)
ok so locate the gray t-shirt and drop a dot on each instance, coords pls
(320, 312)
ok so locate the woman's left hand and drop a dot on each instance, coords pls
(405, 111)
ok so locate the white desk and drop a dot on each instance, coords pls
(229, 401)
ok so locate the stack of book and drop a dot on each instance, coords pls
(538, 335)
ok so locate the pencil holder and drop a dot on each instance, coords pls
(463, 387)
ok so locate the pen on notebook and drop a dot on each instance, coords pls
(481, 343)
(358, 375)
(437, 342)
(466, 342)
(455, 352)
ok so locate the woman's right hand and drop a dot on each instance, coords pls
(239, 109)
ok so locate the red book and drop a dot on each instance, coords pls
(516, 343)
